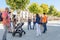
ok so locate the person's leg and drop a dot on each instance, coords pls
(28, 26)
(33, 26)
(44, 28)
(39, 30)
(23, 31)
(5, 33)
(12, 28)
(9, 28)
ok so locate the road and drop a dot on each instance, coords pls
(53, 33)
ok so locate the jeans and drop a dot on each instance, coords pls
(45, 27)
(38, 30)
(12, 27)
(5, 33)
(34, 25)
(29, 26)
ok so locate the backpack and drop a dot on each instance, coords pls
(1, 19)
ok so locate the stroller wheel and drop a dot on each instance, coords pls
(24, 32)
(20, 34)
(13, 34)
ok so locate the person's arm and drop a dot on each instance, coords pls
(4, 16)
(1, 14)
(30, 20)
(46, 19)
(41, 19)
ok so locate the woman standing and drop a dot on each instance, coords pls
(29, 23)
(38, 25)
(6, 22)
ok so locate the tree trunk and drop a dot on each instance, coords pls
(18, 15)
(22, 14)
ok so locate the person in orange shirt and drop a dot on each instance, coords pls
(44, 22)
(6, 22)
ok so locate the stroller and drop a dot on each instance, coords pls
(18, 29)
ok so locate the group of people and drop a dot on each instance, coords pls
(37, 22)
(7, 20)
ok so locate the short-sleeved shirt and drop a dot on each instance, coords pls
(6, 19)
(44, 19)
(29, 20)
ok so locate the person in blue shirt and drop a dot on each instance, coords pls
(38, 25)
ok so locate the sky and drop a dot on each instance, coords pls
(56, 3)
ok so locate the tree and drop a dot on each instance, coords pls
(17, 5)
(51, 9)
(54, 12)
(45, 8)
(58, 14)
(35, 8)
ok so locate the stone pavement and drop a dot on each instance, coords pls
(53, 33)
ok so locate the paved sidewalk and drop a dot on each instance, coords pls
(53, 33)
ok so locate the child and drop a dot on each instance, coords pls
(13, 22)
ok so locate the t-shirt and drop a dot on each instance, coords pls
(29, 20)
(44, 19)
(38, 19)
(6, 19)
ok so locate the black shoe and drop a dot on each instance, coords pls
(43, 32)
(4, 39)
(46, 30)
(24, 32)
(9, 32)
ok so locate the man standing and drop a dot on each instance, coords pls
(34, 22)
(6, 22)
(29, 23)
(44, 22)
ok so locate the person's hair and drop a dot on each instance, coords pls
(37, 15)
(14, 16)
(44, 13)
(9, 12)
(7, 9)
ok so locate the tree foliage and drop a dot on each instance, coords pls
(35, 8)
(45, 8)
(58, 14)
(17, 4)
(51, 9)
(54, 12)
